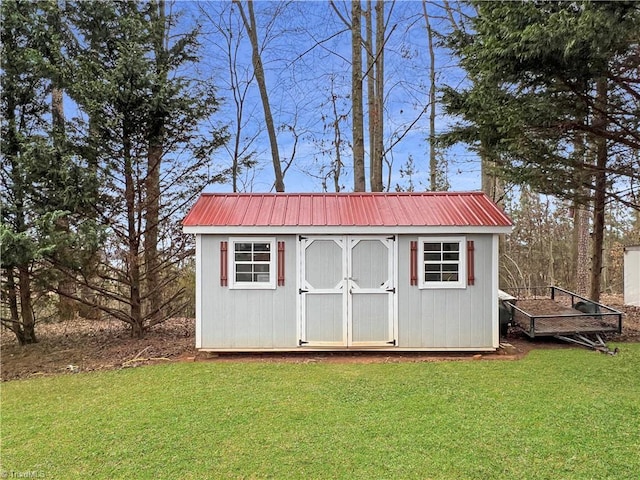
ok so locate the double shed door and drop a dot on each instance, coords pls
(347, 291)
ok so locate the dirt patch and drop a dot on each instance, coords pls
(84, 346)
(88, 345)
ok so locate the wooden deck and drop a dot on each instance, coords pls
(546, 317)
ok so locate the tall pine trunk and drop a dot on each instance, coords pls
(133, 260)
(599, 197)
(375, 59)
(152, 181)
(581, 249)
(370, 55)
(66, 286)
(359, 182)
(580, 238)
(433, 159)
(26, 307)
(378, 102)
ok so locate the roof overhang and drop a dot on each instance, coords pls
(346, 213)
(345, 230)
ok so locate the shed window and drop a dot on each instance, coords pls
(443, 262)
(252, 262)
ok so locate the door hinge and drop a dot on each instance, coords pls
(392, 237)
(301, 342)
(300, 237)
(301, 291)
(392, 290)
(392, 342)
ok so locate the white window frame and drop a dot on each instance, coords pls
(462, 262)
(271, 284)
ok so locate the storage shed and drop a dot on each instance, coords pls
(632, 275)
(385, 271)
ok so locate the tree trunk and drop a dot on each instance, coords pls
(378, 150)
(375, 71)
(599, 197)
(14, 324)
(152, 181)
(369, 49)
(66, 286)
(66, 307)
(133, 260)
(581, 249)
(26, 307)
(337, 140)
(359, 184)
(433, 159)
(89, 297)
(580, 237)
(250, 25)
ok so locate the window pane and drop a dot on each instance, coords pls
(261, 268)
(432, 247)
(450, 267)
(261, 257)
(432, 267)
(261, 277)
(243, 277)
(449, 277)
(243, 247)
(432, 277)
(432, 257)
(451, 247)
(243, 267)
(451, 256)
(261, 247)
(243, 257)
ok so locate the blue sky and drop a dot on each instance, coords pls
(306, 55)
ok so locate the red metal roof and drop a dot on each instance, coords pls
(346, 209)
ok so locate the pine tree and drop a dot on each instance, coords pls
(150, 147)
(43, 187)
(544, 74)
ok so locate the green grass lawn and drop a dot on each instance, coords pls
(558, 414)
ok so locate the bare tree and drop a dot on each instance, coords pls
(359, 184)
(374, 48)
(227, 39)
(249, 20)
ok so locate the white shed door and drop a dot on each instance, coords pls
(347, 293)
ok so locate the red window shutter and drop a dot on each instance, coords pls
(470, 263)
(223, 264)
(281, 264)
(414, 263)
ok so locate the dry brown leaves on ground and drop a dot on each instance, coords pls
(88, 345)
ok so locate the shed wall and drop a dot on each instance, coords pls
(632, 275)
(246, 319)
(427, 318)
(449, 318)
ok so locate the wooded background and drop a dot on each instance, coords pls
(116, 115)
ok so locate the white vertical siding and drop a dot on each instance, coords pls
(449, 318)
(632, 275)
(269, 319)
(198, 291)
(245, 319)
